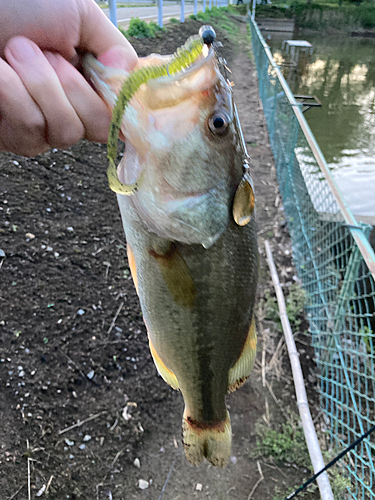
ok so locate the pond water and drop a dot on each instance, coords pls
(341, 74)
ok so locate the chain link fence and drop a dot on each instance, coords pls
(340, 288)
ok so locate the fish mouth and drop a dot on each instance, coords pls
(207, 55)
(167, 91)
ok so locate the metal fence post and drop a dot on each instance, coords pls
(204, 6)
(160, 13)
(113, 11)
(195, 7)
(182, 12)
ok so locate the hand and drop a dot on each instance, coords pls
(44, 100)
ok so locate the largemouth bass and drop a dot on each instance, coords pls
(191, 240)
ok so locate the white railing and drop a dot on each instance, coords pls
(198, 6)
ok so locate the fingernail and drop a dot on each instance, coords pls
(21, 49)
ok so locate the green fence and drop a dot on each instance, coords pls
(336, 265)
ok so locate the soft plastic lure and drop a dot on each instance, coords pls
(183, 58)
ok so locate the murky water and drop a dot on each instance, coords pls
(341, 74)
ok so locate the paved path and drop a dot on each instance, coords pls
(170, 9)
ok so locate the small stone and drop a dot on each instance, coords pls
(70, 228)
(71, 457)
(137, 463)
(87, 438)
(233, 460)
(15, 162)
(199, 487)
(91, 374)
(82, 446)
(49, 249)
(80, 312)
(30, 236)
(68, 442)
(2, 253)
(142, 484)
(21, 373)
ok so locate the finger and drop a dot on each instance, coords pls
(64, 127)
(91, 109)
(98, 35)
(22, 124)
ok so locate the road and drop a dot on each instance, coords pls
(170, 9)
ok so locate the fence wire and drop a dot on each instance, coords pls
(339, 287)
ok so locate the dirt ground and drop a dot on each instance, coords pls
(73, 347)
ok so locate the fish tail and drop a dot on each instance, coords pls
(210, 441)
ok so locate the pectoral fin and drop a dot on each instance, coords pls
(177, 276)
(132, 265)
(240, 372)
(164, 371)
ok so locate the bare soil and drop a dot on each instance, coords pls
(73, 346)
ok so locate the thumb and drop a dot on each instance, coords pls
(118, 57)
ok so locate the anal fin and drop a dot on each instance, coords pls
(164, 371)
(240, 372)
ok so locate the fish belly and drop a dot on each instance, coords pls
(198, 305)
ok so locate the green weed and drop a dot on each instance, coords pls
(284, 445)
(140, 29)
(295, 303)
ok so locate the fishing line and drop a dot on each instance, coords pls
(331, 463)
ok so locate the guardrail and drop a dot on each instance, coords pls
(336, 264)
(205, 5)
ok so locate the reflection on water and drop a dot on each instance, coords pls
(341, 75)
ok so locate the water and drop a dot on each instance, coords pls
(341, 74)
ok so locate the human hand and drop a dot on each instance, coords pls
(44, 100)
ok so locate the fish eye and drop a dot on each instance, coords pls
(218, 123)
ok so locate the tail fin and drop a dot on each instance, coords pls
(212, 442)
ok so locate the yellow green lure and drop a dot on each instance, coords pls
(183, 58)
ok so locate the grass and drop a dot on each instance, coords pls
(287, 445)
(140, 29)
(295, 303)
(219, 17)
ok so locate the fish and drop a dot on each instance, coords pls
(186, 201)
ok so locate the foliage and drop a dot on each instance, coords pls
(284, 445)
(323, 14)
(140, 29)
(288, 445)
(295, 303)
(219, 16)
